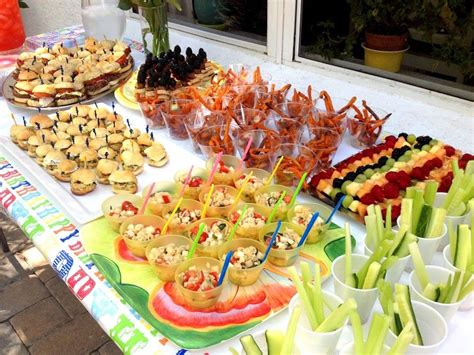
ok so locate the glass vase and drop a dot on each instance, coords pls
(154, 23)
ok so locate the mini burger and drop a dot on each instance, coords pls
(74, 151)
(99, 132)
(97, 143)
(105, 167)
(74, 130)
(33, 143)
(123, 181)
(62, 126)
(156, 155)
(41, 121)
(52, 160)
(23, 137)
(47, 135)
(106, 153)
(115, 141)
(64, 170)
(80, 121)
(42, 151)
(62, 145)
(131, 133)
(22, 92)
(113, 117)
(99, 113)
(66, 93)
(95, 83)
(79, 111)
(144, 141)
(131, 145)
(62, 116)
(116, 127)
(80, 140)
(27, 75)
(132, 161)
(15, 131)
(111, 72)
(83, 181)
(88, 159)
(44, 96)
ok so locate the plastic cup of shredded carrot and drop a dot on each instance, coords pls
(365, 125)
(194, 124)
(298, 110)
(323, 142)
(288, 129)
(152, 114)
(175, 112)
(215, 139)
(248, 118)
(298, 159)
(263, 150)
(330, 112)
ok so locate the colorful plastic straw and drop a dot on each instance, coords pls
(274, 170)
(192, 250)
(147, 197)
(272, 241)
(165, 228)
(235, 226)
(208, 201)
(186, 181)
(333, 212)
(246, 151)
(298, 189)
(214, 167)
(247, 179)
(225, 267)
(308, 229)
(275, 208)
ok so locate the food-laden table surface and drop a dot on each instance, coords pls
(55, 230)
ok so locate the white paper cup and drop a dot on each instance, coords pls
(348, 349)
(365, 298)
(395, 272)
(306, 338)
(468, 302)
(436, 274)
(432, 326)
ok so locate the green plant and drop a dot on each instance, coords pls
(127, 4)
(329, 44)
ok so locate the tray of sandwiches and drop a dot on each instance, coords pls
(49, 78)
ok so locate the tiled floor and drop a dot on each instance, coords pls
(38, 314)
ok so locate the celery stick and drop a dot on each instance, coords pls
(431, 292)
(386, 301)
(304, 297)
(457, 284)
(336, 319)
(377, 332)
(451, 285)
(444, 290)
(452, 190)
(371, 210)
(455, 167)
(371, 228)
(410, 192)
(287, 346)
(431, 188)
(306, 275)
(458, 197)
(420, 268)
(418, 203)
(435, 226)
(402, 250)
(377, 255)
(406, 213)
(469, 167)
(318, 294)
(379, 220)
(407, 315)
(358, 333)
(388, 263)
(463, 247)
(452, 239)
(398, 239)
(388, 219)
(469, 288)
(372, 275)
(348, 277)
(404, 339)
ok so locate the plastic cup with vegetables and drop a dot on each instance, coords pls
(139, 231)
(165, 254)
(258, 179)
(285, 250)
(118, 208)
(267, 196)
(197, 279)
(164, 193)
(253, 221)
(228, 168)
(198, 179)
(300, 214)
(188, 212)
(221, 201)
(246, 262)
(214, 235)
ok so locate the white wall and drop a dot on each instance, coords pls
(47, 15)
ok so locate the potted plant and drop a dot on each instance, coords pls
(385, 24)
(211, 13)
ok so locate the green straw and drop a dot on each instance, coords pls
(298, 189)
(275, 208)
(192, 250)
(234, 227)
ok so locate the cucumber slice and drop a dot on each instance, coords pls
(396, 319)
(372, 276)
(435, 227)
(418, 263)
(406, 213)
(403, 251)
(431, 292)
(398, 239)
(463, 247)
(402, 296)
(444, 290)
(453, 295)
(274, 340)
(418, 204)
(453, 239)
(423, 221)
(250, 345)
(431, 188)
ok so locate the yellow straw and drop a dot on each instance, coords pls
(208, 200)
(165, 228)
(247, 179)
(276, 207)
(274, 170)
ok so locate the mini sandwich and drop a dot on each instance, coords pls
(144, 141)
(41, 121)
(62, 116)
(64, 170)
(63, 79)
(42, 151)
(88, 159)
(105, 167)
(113, 117)
(97, 143)
(79, 111)
(80, 140)
(80, 121)
(23, 137)
(74, 130)
(99, 113)
(115, 141)
(131, 145)
(62, 126)
(131, 133)
(62, 145)
(83, 181)
(156, 155)
(15, 131)
(22, 91)
(116, 127)
(106, 153)
(33, 143)
(47, 135)
(123, 181)
(44, 95)
(52, 160)
(74, 151)
(110, 71)
(99, 132)
(95, 83)
(132, 161)
(66, 93)
(27, 75)
(46, 78)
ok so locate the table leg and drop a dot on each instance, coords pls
(3, 242)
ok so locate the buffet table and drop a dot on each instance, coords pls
(55, 231)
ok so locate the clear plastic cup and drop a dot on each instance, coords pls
(281, 257)
(152, 114)
(297, 110)
(288, 129)
(249, 118)
(116, 201)
(242, 277)
(198, 299)
(248, 193)
(204, 250)
(138, 247)
(161, 186)
(179, 228)
(223, 177)
(166, 271)
(282, 210)
(322, 117)
(323, 142)
(191, 192)
(317, 233)
(194, 124)
(297, 160)
(215, 211)
(247, 231)
(175, 112)
(213, 140)
(364, 133)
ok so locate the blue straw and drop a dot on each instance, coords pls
(308, 229)
(272, 241)
(225, 267)
(338, 204)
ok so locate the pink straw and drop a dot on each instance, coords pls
(186, 182)
(246, 151)
(214, 167)
(147, 197)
